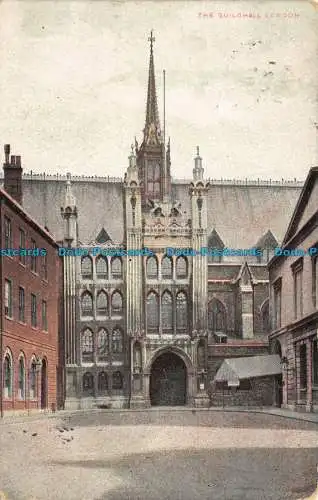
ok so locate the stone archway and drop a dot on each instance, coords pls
(168, 381)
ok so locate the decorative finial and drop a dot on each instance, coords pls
(132, 149)
(198, 169)
(151, 39)
(68, 177)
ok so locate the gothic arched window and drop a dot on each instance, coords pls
(152, 268)
(21, 374)
(32, 381)
(117, 381)
(102, 382)
(8, 375)
(102, 345)
(265, 317)
(167, 311)
(166, 268)
(117, 268)
(101, 268)
(216, 247)
(216, 316)
(88, 384)
(86, 268)
(181, 267)
(182, 311)
(117, 341)
(152, 311)
(87, 346)
(117, 303)
(102, 304)
(87, 304)
(153, 178)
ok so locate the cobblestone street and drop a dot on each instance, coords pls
(152, 455)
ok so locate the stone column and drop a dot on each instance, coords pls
(297, 385)
(134, 268)
(309, 361)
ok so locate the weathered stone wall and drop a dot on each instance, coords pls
(260, 394)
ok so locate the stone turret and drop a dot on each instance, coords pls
(69, 214)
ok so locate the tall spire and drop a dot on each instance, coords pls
(152, 132)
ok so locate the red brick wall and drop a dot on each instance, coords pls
(22, 337)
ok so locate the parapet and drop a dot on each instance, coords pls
(247, 182)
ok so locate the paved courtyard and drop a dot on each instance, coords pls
(152, 455)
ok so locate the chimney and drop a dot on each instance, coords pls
(7, 153)
(12, 175)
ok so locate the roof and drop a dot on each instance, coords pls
(268, 240)
(246, 214)
(27, 217)
(236, 369)
(310, 189)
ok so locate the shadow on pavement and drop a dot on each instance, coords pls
(191, 474)
(182, 418)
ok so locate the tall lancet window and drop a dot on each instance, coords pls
(102, 345)
(87, 304)
(167, 311)
(153, 171)
(152, 268)
(101, 268)
(265, 317)
(181, 267)
(117, 304)
(87, 268)
(102, 304)
(166, 268)
(216, 247)
(117, 381)
(216, 316)
(182, 311)
(152, 311)
(117, 341)
(116, 266)
(87, 346)
(102, 383)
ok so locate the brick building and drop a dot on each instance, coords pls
(294, 302)
(29, 285)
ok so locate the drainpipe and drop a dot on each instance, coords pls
(1, 314)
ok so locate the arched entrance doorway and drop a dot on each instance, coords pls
(44, 384)
(168, 381)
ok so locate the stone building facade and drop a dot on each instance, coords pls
(294, 302)
(152, 329)
(29, 288)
